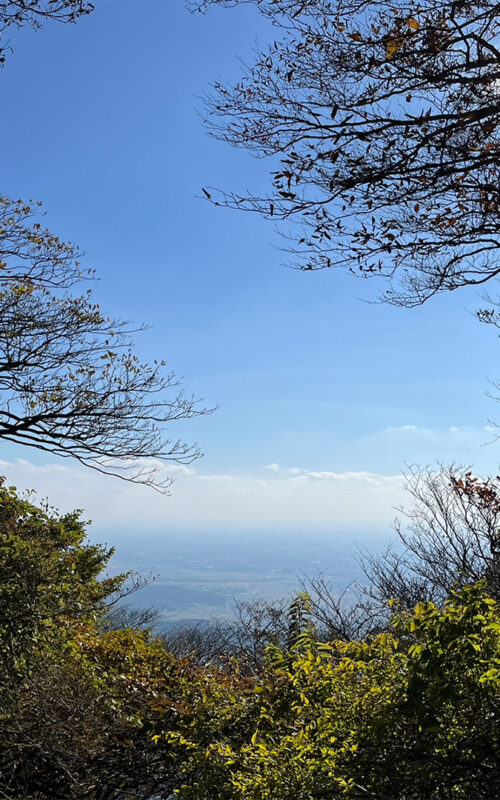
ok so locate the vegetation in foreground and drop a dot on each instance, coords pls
(409, 711)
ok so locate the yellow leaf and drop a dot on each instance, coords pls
(392, 46)
(413, 24)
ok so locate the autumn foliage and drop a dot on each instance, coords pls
(89, 711)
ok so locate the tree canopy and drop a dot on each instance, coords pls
(380, 120)
(90, 711)
(70, 382)
(406, 715)
(80, 704)
(17, 13)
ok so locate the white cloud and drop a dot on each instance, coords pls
(467, 444)
(368, 478)
(288, 499)
(215, 477)
(453, 433)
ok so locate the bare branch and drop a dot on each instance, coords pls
(380, 120)
(70, 382)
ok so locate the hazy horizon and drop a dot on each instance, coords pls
(323, 395)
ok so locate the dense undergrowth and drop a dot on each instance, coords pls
(410, 711)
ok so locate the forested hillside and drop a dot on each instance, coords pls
(408, 711)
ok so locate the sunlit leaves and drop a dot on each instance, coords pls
(407, 714)
(79, 704)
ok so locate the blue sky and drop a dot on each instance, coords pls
(322, 396)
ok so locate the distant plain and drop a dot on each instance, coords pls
(195, 577)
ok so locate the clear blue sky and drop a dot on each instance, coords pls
(100, 121)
